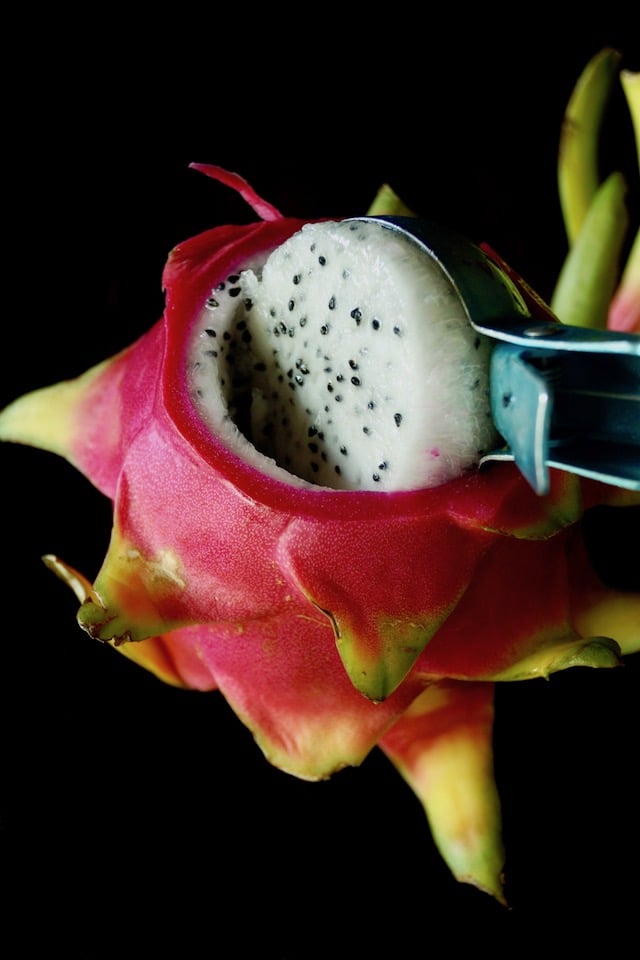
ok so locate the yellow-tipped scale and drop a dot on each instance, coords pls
(589, 275)
(624, 313)
(578, 173)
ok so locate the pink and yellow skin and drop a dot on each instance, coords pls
(331, 621)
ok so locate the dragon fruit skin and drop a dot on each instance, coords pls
(331, 621)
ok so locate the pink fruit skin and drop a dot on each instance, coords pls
(320, 615)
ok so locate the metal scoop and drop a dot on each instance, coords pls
(561, 396)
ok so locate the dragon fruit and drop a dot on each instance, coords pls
(335, 609)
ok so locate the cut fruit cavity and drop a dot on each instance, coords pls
(347, 358)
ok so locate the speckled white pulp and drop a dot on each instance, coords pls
(347, 359)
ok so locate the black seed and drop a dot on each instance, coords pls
(326, 409)
(355, 381)
(324, 329)
(210, 333)
(476, 343)
(272, 311)
(248, 303)
(314, 466)
(322, 261)
(321, 434)
(291, 331)
(302, 321)
(235, 291)
(324, 456)
(330, 387)
(276, 331)
(241, 324)
(398, 418)
(290, 373)
(297, 278)
(299, 379)
(397, 331)
(332, 303)
(375, 477)
(357, 315)
(353, 364)
(337, 469)
(340, 377)
(311, 431)
(375, 323)
(383, 465)
(366, 430)
(226, 335)
(371, 404)
(313, 447)
(221, 285)
(233, 278)
(260, 366)
(312, 247)
(292, 304)
(211, 353)
(343, 451)
(283, 327)
(338, 398)
(292, 385)
(346, 274)
(212, 303)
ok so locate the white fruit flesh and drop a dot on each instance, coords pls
(353, 363)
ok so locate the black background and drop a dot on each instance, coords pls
(135, 814)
